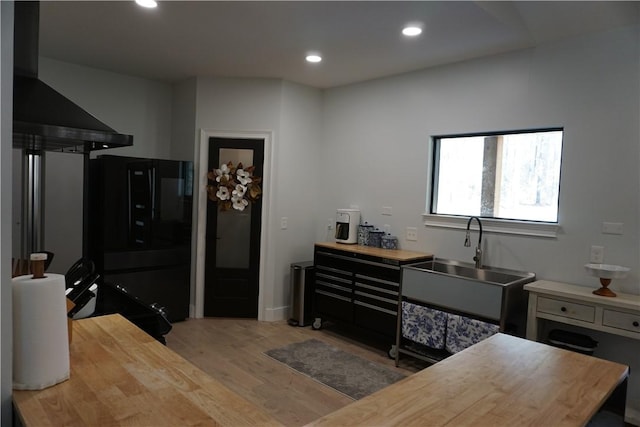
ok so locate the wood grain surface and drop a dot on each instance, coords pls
(120, 376)
(395, 254)
(233, 352)
(504, 380)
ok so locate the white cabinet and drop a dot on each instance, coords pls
(629, 322)
(564, 308)
(577, 305)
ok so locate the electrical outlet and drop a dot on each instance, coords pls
(597, 254)
(284, 223)
(330, 224)
(387, 210)
(412, 234)
(387, 228)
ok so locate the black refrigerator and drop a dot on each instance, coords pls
(138, 230)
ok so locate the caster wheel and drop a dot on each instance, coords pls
(393, 352)
(317, 324)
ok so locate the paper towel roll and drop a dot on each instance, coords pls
(40, 337)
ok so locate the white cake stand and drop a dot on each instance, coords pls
(606, 273)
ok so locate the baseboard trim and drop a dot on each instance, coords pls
(270, 314)
(276, 314)
(632, 416)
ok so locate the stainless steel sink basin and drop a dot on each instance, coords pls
(488, 293)
(500, 276)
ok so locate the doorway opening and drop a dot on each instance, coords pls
(230, 244)
(232, 250)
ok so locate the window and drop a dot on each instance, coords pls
(511, 175)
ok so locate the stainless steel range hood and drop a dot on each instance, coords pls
(43, 119)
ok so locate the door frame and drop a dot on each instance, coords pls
(201, 220)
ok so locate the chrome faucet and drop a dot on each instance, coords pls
(467, 243)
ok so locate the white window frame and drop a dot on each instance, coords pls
(505, 226)
(492, 225)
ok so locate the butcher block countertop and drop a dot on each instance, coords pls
(501, 381)
(395, 254)
(120, 376)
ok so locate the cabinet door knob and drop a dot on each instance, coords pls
(636, 324)
(563, 309)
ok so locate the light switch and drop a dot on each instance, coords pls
(387, 210)
(612, 228)
(284, 223)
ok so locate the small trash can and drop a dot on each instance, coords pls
(301, 293)
(572, 341)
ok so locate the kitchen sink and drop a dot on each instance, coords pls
(489, 293)
(461, 269)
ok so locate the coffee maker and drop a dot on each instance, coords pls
(347, 221)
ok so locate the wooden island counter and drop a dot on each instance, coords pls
(120, 376)
(501, 381)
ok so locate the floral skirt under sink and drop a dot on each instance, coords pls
(440, 330)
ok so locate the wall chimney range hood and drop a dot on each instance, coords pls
(43, 119)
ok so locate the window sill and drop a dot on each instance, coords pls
(523, 228)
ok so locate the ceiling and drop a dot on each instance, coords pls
(358, 40)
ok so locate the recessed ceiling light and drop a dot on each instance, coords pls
(412, 30)
(313, 58)
(150, 4)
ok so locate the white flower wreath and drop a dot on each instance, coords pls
(233, 187)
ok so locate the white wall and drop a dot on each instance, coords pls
(292, 113)
(6, 119)
(229, 104)
(184, 140)
(297, 182)
(377, 136)
(183, 119)
(129, 105)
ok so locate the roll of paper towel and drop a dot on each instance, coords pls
(40, 337)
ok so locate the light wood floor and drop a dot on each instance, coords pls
(232, 351)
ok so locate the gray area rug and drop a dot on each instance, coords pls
(349, 374)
